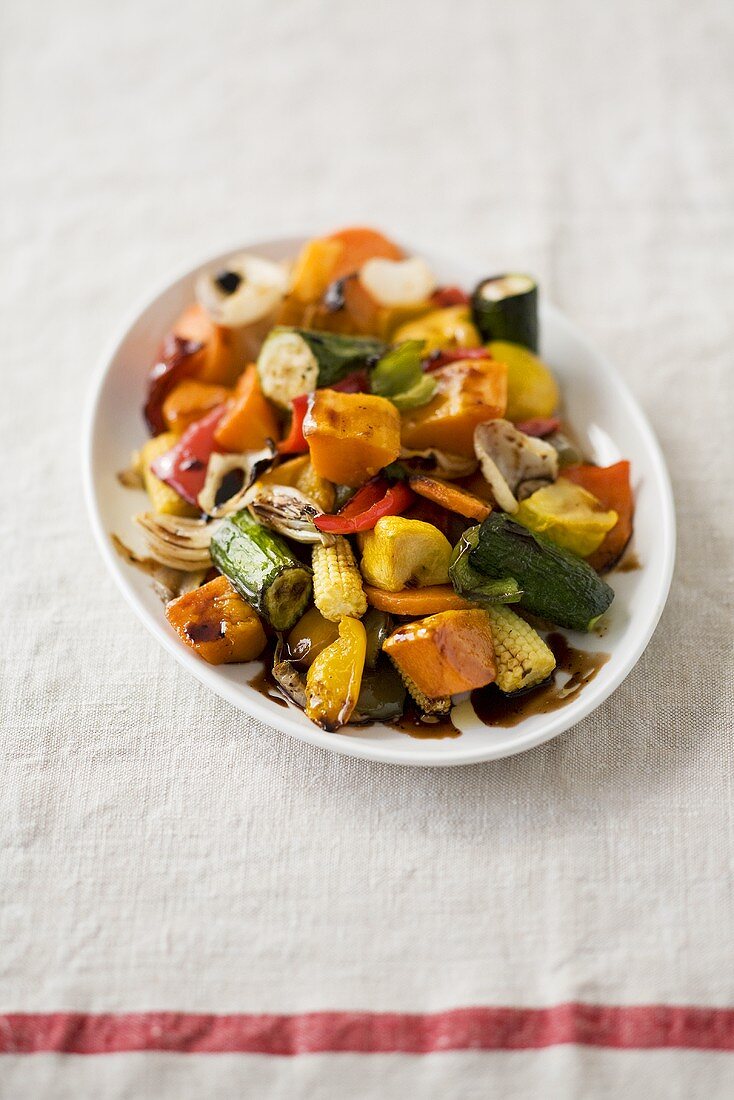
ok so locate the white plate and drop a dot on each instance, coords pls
(608, 423)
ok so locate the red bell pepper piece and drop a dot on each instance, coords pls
(611, 486)
(452, 355)
(184, 466)
(539, 426)
(179, 359)
(356, 382)
(295, 442)
(449, 296)
(373, 501)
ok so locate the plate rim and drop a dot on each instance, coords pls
(425, 755)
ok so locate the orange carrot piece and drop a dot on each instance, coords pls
(611, 486)
(450, 497)
(250, 420)
(417, 601)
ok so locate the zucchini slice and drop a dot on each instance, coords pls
(555, 584)
(505, 307)
(294, 361)
(262, 569)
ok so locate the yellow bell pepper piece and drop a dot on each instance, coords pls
(442, 328)
(531, 388)
(335, 677)
(569, 515)
(164, 499)
(399, 552)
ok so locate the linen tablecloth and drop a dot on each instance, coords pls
(556, 924)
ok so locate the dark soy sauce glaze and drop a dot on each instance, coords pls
(628, 563)
(205, 632)
(495, 709)
(491, 707)
(424, 727)
(264, 682)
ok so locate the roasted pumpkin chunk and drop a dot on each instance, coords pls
(351, 435)
(217, 623)
(468, 392)
(445, 654)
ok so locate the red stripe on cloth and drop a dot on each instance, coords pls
(638, 1027)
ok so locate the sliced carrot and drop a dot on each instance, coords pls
(450, 497)
(611, 486)
(417, 601)
(250, 420)
(361, 244)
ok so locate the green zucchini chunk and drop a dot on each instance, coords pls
(555, 584)
(505, 307)
(337, 355)
(262, 569)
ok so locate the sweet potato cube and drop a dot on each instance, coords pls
(226, 350)
(445, 654)
(351, 435)
(250, 419)
(189, 401)
(468, 392)
(217, 623)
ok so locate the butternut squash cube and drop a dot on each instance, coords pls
(217, 623)
(445, 654)
(351, 435)
(468, 392)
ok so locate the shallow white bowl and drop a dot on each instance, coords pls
(607, 421)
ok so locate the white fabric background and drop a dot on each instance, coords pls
(158, 850)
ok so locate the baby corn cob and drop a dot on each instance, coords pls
(337, 582)
(317, 488)
(440, 705)
(523, 659)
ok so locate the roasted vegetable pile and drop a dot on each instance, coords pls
(361, 477)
